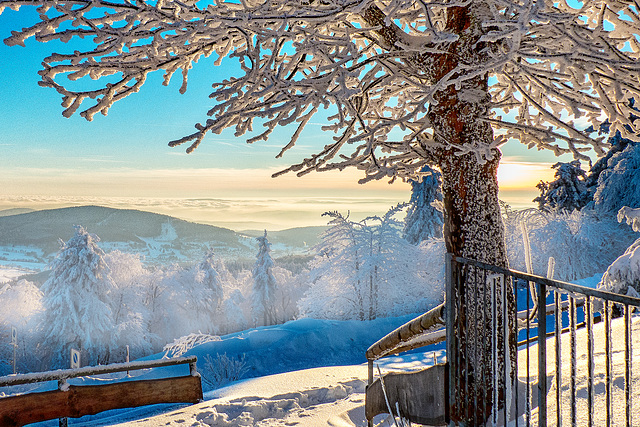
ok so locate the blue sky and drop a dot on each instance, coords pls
(123, 160)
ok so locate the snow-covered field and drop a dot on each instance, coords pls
(334, 396)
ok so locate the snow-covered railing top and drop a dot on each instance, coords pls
(64, 374)
(568, 287)
(431, 321)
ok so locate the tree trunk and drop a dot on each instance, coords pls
(473, 225)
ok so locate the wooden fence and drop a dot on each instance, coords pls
(76, 401)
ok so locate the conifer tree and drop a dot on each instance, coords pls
(264, 285)
(567, 192)
(75, 300)
(209, 276)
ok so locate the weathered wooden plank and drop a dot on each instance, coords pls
(62, 374)
(420, 395)
(92, 399)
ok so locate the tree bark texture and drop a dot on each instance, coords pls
(473, 226)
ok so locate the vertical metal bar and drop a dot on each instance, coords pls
(627, 364)
(528, 402)
(572, 380)
(542, 355)
(558, 318)
(369, 382)
(475, 324)
(452, 360)
(588, 313)
(607, 350)
(494, 345)
(516, 391)
(507, 350)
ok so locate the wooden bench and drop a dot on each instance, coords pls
(76, 401)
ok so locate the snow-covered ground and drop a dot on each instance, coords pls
(334, 396)
(10, 273)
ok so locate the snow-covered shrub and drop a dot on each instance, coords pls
(181, 345)
(583, 243)
(624, 272)
(363, 270)
(223, 369)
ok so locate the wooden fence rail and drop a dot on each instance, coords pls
(76, 401)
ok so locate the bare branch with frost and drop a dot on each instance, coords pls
(374, 64)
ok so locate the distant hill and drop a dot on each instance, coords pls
(115, 227)
(33, 237)
(15, 211)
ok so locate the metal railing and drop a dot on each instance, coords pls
(484, 300)
(500, 368)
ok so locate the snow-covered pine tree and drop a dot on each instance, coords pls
(424, 220)
(207, 274)
(567, 192)
(76, 303)
(447, 74)
(264, 285)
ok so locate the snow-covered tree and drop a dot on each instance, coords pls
(365, 269)
(207, 274)
(424, 217)
(567, 192)
(22, 303)
(263, 295)
(449, 75)
(618, 184)
(76, 303)
(623, 275)
(583, 243)
(127, 300)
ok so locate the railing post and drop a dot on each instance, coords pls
(369, 382)
(542, 355)
(449, 320)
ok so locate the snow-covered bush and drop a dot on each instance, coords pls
(181, 345)
(624, 272)
(222, 369)
(363, 270)
(583, 243)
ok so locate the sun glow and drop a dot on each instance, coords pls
(523, 175)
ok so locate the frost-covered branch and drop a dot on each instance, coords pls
(376, 65)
